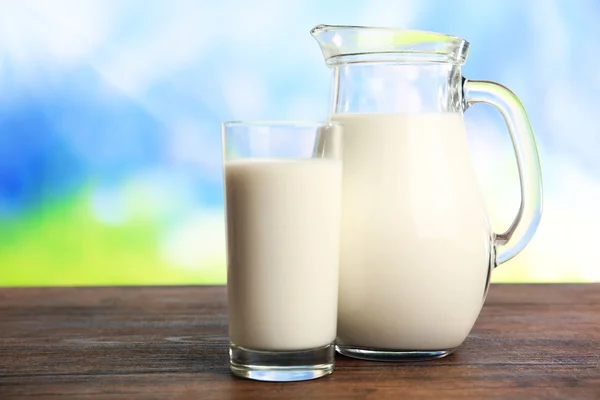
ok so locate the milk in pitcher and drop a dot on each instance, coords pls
(415, 240)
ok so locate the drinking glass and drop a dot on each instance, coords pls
(283, 200)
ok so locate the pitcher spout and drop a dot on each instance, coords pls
(353, 44)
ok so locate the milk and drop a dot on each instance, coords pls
(415, 242)
(283, 252)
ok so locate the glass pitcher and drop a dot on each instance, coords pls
(417, 248)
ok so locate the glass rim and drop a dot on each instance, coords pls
(281, 123)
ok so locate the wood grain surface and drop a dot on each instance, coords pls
(530, 342)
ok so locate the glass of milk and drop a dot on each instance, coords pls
(283, 200)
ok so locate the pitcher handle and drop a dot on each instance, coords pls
(523, 227)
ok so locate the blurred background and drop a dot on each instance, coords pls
(110, 111)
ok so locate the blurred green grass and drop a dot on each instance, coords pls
(61, 244)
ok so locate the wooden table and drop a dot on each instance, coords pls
(531, 341)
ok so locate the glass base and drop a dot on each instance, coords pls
(281, 366)
(391, 355)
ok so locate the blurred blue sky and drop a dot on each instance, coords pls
(109, 97)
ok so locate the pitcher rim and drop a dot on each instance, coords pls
(325, 27)
(439, 47)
